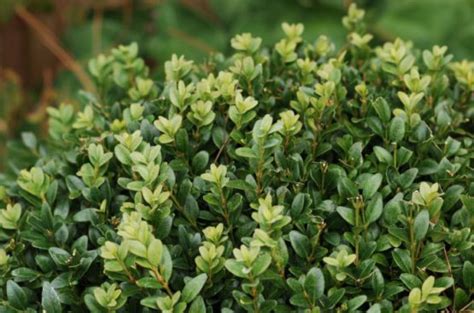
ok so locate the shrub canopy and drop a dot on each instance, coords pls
(298, 178)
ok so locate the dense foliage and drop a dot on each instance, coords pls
(292, 179)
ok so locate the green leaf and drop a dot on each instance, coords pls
(29, 139)
(356, 302)
(460, 299)
(411, 281)
(193, 287)
(166, 263)
(246, 153)
(149, 282)
(239, 184)
(392, 289)
(468, 275)
(397, 129)
(346, 188)
(402, 259)
(150, 302)
(236, 268)
(334, 298)
(92, 304)
(219, 136)
(59, 256)
(298, 204)
(50, 301)
(86, 215)
(444, 282)
(122, 154)
(347, 214)
(154, 252)
(392, 209)
(300, 244)
(299, 300)
(376, 308)
(235, 202)
(421, 224)
(406, 179)
(371, 185)
(191, 208)
(182, 140)
(22, 274)
(261, 264)
(383, 155)
(382, 109)
(377, 282)
(374, 209)
(200, 161)
(403, 156)
(74, 185)
(16, 295)
(198, 306)
(314, 284)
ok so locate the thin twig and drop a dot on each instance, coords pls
(450, 271)
(466, 306)
(50, 41)
(224, 145)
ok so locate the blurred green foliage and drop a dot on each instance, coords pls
(429, 22)
(193, 29)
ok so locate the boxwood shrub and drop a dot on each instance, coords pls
(292, 178)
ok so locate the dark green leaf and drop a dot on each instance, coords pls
(374, 209)
(397, 129)
(16, 295)
(402, 259)
(371, 185)
(50, 299)
(356, 302)
(347, 214)
(200, 161)
(468, 274)
(383, 155)
(421, 224)
(346, 188)
(198, 306)
(300, 244)
(382, 108)
(314, 284)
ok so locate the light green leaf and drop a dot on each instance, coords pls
(193, 288)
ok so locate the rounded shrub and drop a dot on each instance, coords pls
(297, 178)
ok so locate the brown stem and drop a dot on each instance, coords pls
(127, 272)
(224, 145)
(162, 281)
(254, 295)
(450, 271)
(50, 41)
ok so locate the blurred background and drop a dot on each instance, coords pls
(45, 44)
